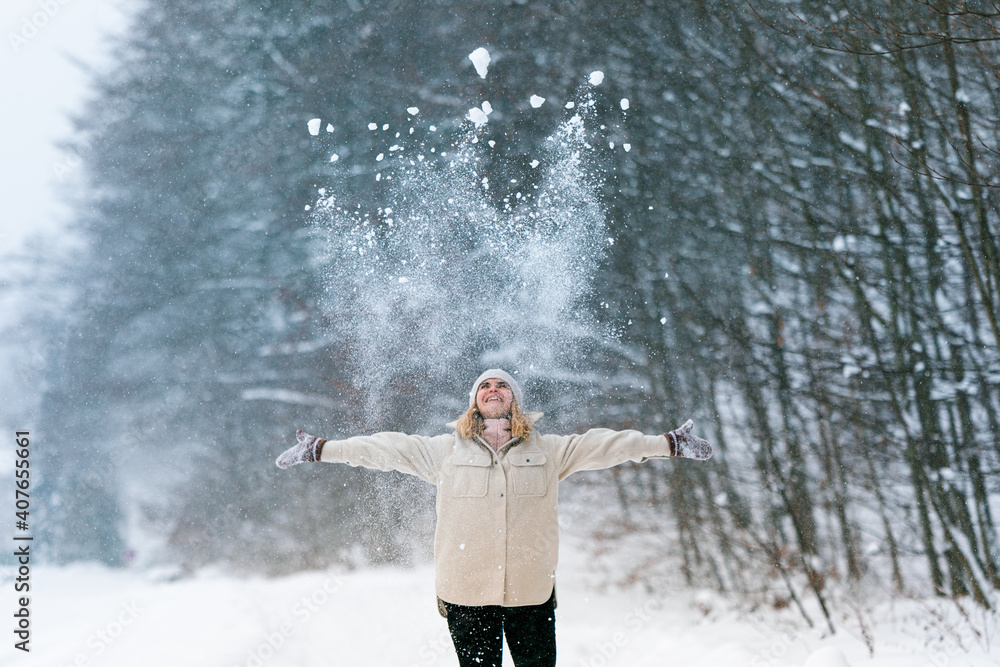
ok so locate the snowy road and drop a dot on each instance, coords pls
(89, 616)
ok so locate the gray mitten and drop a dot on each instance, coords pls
(688, 446)
(308, 449)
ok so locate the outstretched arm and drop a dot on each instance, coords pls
(603, 448)
(411, 454)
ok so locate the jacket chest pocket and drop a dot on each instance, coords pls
(471, 478)
(527, 471)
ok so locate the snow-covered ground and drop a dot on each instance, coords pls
(86, 615)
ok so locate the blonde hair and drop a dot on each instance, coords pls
(470, 424)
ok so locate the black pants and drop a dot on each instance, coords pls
(478, 634)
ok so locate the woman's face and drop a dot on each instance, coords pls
(494, 398)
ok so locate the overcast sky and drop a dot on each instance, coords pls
(40, 86)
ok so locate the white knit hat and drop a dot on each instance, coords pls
(499, 375)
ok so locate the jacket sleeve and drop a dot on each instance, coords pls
(603, 448)
(413, 454)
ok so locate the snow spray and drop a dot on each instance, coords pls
(442, 278)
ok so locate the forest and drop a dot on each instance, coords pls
(777, 218)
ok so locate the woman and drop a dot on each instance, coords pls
(497, 534)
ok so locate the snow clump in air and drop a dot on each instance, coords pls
(481, 61)
(537, 101)
(413, 111)
(596, 78)
(313, 125)
(625, 104)
(480, 116)
(477, 116)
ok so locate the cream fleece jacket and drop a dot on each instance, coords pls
(497, 536)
